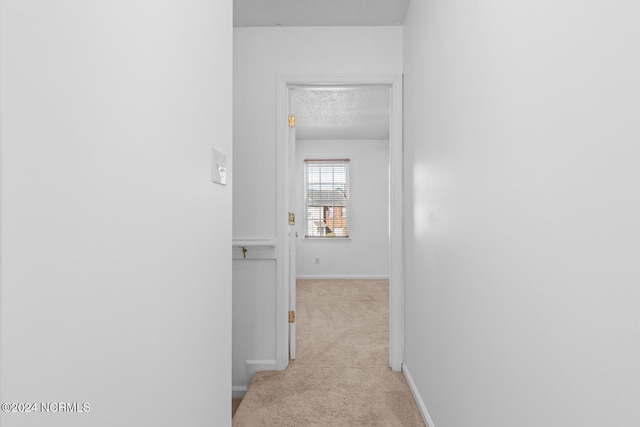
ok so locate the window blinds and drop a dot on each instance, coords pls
(327, 198)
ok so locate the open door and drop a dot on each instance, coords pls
(293, 234)
(286, 234)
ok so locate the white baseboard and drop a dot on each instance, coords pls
(343, 277)
(254, 366)
(238, 391)
(416, 396)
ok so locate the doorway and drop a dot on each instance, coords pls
(286, 232)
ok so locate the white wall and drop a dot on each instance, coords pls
(260, 56)
(252, 335)
(366, 253)
(116, 273)
(522, 206)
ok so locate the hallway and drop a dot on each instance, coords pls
(122, 280)
(341, 375)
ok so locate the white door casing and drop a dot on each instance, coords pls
(285, 273)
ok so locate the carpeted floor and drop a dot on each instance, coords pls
(341, 375)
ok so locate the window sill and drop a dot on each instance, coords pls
(326, 239)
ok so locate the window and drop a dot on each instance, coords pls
(326, 184)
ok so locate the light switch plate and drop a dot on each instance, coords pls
(219, 167)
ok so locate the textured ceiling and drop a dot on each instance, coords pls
(360, 112)
(318, 13)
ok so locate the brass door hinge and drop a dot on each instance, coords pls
(292, 218)
(292, 120)
(292, 316)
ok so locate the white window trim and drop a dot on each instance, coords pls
(323, 239)
(308, 163)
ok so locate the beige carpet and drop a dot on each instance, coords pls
(341, 375)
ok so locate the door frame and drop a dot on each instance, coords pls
(396, 306)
